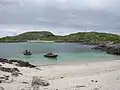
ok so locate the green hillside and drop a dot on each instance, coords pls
(92, 37)
(82, 37)
(27, 36)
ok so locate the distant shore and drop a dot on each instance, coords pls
(39, 41)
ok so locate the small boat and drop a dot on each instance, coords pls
(26, 52)
(50, 55)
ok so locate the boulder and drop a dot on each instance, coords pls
(0, 81)
(15, 73)
(4, 69)
(100, 47)
(2, 60)
(109, 48)
(18, 63)
(114, 50)
(16, 69)
(22, 63)
(6, 77)
(37, 81)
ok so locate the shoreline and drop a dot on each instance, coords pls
(63, 63)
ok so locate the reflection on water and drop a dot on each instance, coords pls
(27, 56)
(52, 58)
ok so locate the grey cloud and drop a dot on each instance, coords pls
(9, 2)
(65, 14)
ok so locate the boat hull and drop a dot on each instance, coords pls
(51, 56)
(27, 54)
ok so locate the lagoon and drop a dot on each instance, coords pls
(68, 52)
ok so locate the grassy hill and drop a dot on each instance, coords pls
(92, 37)
(27, 36)
(82, 37)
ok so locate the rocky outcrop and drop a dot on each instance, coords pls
(17, 63)
(37, 81)
(22, 63)
(6, 79)
(15, 73)
(3, 60)
(114, 50)
(10, 70)
(100, 47)
(109, 48)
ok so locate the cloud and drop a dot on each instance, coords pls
(60, 15)
(9, 2)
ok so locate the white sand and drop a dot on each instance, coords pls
(89, 76)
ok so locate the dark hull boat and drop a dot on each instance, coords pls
(27, 53)
(50, 56)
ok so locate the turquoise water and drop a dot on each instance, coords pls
(68, 52)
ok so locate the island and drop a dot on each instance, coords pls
(80, 37)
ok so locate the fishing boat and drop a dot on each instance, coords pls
(50, 55)
(26, 52)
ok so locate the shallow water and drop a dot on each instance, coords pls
(68, 52)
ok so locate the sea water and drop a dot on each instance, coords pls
(67, 52)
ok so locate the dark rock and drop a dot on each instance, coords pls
(96, 81)
(37, 81)
(114, 50)
(17, 63)
(62, 77)
(100, 47)
(16, 69)
(15, 73)
(109, 48)
(1, 77)
(20, 74)
(25, 82)
(2, 60)
(38, 69)
(80, 86)
(4, 69)
(5, 77)
(92, 80)
(0, 81)
(23, 63)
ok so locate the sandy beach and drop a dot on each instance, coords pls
(103, 75)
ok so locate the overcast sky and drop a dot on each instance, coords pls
(59, 16)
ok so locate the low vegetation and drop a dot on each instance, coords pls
(81, 37)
